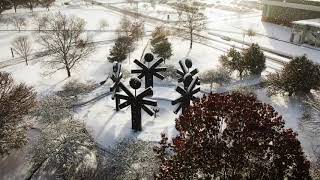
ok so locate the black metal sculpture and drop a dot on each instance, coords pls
(187, 94)
(116, 78)
(137, 102)
(147, 71)
(185, 73)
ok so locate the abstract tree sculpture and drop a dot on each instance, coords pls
(137, 102)
(186, 66)
(187, 94)
(149, 72)
(116, 78)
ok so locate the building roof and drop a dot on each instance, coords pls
(310, 5)
(309, 22)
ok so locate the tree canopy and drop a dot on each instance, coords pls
(232, 136)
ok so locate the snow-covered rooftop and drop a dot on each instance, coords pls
(309, 22)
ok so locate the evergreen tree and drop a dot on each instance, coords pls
(119, 52)
(234, 61)
(158, 35)
(160, 44)
(254, 60)
(299, 76)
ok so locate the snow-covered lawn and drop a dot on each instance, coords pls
(105, 124)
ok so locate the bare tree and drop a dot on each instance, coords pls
(66, 42)
(218, 76)
(16, 101)
(19, 22)
(41, 22)
(103, 24)
(23, 47)
(191, 20)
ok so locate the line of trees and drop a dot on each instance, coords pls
(8, 4)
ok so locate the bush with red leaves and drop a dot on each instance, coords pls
(232, 136)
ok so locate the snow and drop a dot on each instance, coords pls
(309, 22)
(105, 124)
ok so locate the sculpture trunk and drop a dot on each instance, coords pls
(149, 81)
(136, 118)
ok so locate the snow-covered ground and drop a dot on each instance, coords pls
(105, 124)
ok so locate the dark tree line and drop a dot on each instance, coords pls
(8, 4)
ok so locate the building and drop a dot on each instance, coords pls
(286, 11)
(306, 32)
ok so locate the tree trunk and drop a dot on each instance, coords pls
(191, 39)
(15, 8)
(68, 71)
(26, 61)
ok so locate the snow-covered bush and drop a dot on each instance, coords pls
(65, 150)
(53, 109)
(130, 159)
(232, 136)
(74, 88)
(219, 76)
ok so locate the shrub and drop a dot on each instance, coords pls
(130, 159)
(75, 88)
(219, 76)
(232, 136)
(53, 109)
